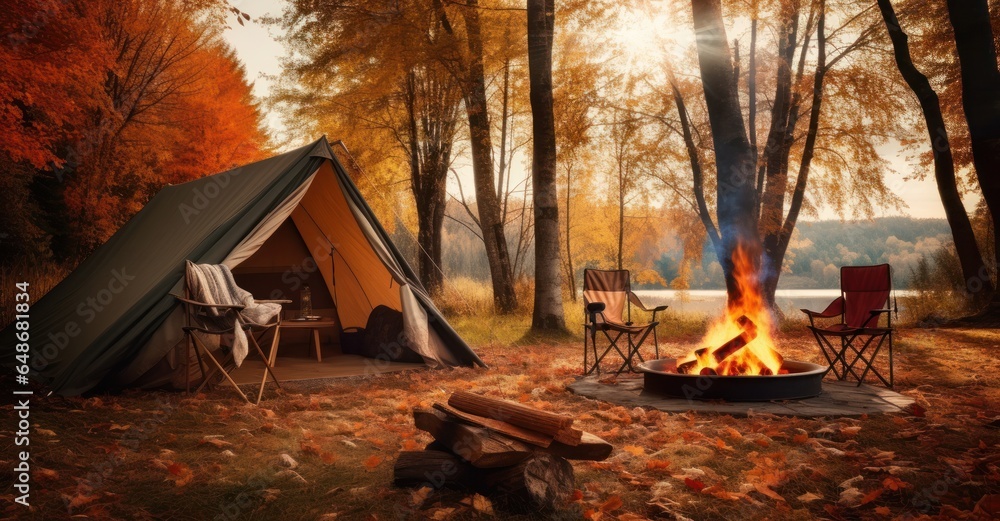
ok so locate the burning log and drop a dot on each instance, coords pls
(749, 332)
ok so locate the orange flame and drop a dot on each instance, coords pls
(760, 355)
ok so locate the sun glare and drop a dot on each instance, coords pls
(647, 36)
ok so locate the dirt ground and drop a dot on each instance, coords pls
(142, 455)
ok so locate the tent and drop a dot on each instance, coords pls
(279, 223)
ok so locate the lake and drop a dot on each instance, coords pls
(712, 301)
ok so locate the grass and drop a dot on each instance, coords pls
(156, 455)
(150, 455)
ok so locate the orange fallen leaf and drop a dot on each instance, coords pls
(634, 450)
(577, 496)
(180, 473)
(732, 433)
(719, 443)
(766, 490)
(410, 445)
(328, 457)
(613, 503)
(882, 511)
(872, 496)
(800, 438)
(918, 411)
(894, 483)
(851, 431)
(657, 464)
(45, 473)
(372, 461)
(694, 484)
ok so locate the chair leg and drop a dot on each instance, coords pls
(870, 361)
(267, 370)
(225, 374)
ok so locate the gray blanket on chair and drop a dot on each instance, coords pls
(214, 284)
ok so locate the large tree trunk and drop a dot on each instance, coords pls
(548, 308)
(981, 102)
(431, 117)
(733, 155)
(778, 233)
(969, 256)
(501, 272)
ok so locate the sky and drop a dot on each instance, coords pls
(260, 51)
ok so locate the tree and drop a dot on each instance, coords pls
(149, 95)
(969, 256)
(977, 55)
(473, 80)
(733, 157)
(548, 308)
(780, 177)
(399, 105)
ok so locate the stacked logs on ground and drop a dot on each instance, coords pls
(514, 454)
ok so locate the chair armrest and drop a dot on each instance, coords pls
(657, 309)
(596, 307)
(877, 311)
(237, 307)
(272, 301)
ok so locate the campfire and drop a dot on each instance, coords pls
(737, 360)
(739, 343)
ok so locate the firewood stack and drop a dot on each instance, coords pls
(512, 453)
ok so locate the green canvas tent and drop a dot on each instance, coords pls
(293, 219)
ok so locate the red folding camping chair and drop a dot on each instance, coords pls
(608, 300)
(864, 299)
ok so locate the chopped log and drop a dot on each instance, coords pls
(590, 448)
(433, 469)
(569, 436)
(534, 485)
(481, 447)
(513, 431)
(510, 412)
(722, 352)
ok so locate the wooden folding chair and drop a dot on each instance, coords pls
(221, 320)
(864, 298)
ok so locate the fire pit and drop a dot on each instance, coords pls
(739, 360)
(795, 380)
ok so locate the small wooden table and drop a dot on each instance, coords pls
(314, 325)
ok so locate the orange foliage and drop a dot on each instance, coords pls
(111, 100)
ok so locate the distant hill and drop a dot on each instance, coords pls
(815, 255)
(818, 249)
